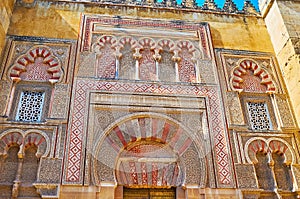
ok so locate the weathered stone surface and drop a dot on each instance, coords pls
(6, 9)
(246, 176)
(296, 169)
(282, 20)
(50, 170)
(64, 21)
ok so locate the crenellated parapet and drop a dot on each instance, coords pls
(208, 5)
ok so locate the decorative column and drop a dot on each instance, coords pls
(17, 181)
(118, 56)
(157, 58)
(176, 59)
(137, 55)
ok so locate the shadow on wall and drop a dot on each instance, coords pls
(216, 37)
(45, 20)
(6, 9)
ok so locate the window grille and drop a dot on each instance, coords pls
(30, 106)
(259, 116)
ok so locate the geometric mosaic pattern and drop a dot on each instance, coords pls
(76, 139)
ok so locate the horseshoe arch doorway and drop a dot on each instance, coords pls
(149, 154)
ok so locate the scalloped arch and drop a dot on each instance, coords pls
(248, 64)
(147, 42)
(166, 43)
(54, 67)
(186, 44)
(129, 40)
(104, 40)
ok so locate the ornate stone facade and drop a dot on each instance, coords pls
(144, 100)
(260, 144)
(35, 71)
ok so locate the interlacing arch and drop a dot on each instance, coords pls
(52, 72)
(25, 139)
(143, 143)
(244, 65)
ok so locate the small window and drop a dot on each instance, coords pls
(259, 116)
(30, 106)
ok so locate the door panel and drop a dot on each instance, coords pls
(149, 193)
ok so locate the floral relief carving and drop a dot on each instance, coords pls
(147, 67)
(186, 65)
(285, 112)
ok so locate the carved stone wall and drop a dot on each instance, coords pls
(43, 66)
(102, 104)
(153, 129)
(47, 61)
(145, 101)
(258, 115)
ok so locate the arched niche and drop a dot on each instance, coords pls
(39, 64)
(248, 76)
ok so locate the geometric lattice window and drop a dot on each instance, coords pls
(259, 116)
(30, 106)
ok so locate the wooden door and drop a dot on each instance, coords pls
(130, 193)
